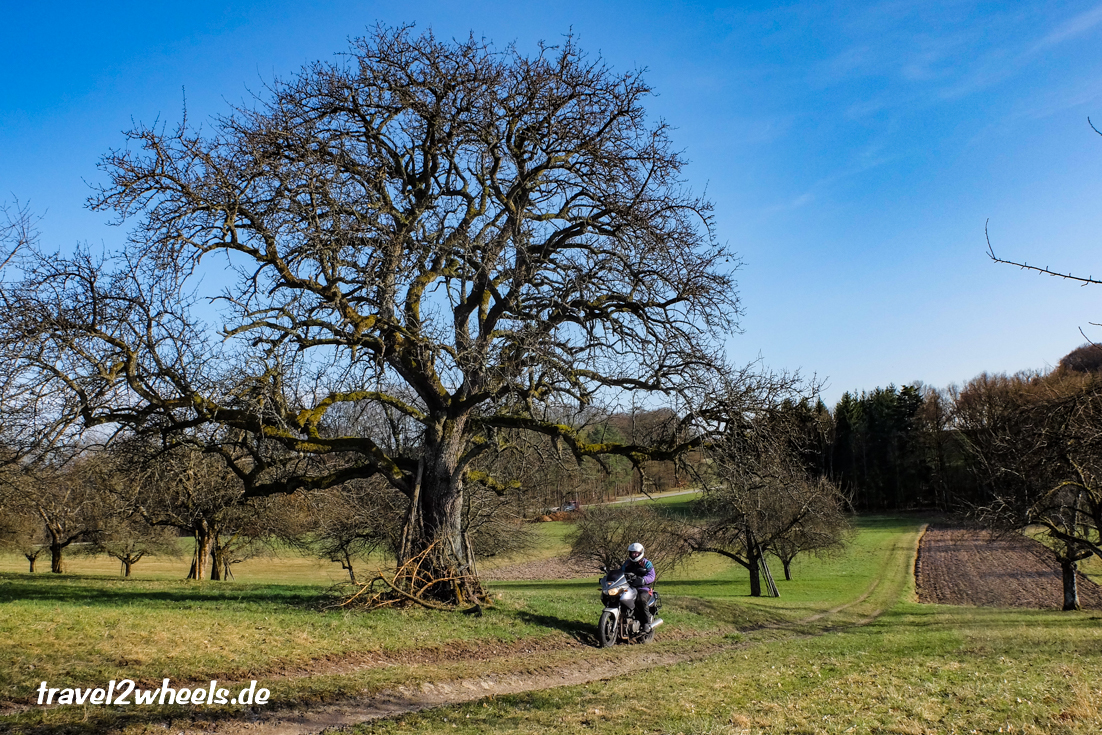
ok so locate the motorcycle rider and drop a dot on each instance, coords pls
(640, 574)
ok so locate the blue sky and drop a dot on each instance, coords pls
(854, 151)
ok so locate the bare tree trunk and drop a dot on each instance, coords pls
(219, 563)
(32, 560)
(55, 557)
(127, 564)
(787, 569)
(1071, 588)
(202, 550)
(434, 530)
(216, 564)
(753, 557)
(348, 565)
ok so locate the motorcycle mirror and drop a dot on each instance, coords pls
(602, 568)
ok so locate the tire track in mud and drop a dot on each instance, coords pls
(835, 610)
(408, 699)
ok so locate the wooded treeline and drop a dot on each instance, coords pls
(892, 448)
(921, 447)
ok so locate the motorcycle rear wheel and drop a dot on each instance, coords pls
(606, 630)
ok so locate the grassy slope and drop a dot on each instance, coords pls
(913, 669)
(916, 669)
(82, 630)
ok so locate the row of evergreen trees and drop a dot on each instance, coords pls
(890, 449)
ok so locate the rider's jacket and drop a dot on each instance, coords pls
(642, 569)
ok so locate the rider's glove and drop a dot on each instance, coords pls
(631, 578)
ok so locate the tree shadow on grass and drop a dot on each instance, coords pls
(95, 591)
(584, 633)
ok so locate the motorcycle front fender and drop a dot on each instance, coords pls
(615, 612)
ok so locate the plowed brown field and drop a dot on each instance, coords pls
(958, 566)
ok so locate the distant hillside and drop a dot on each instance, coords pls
(1085, 359)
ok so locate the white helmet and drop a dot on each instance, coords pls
(635, 552)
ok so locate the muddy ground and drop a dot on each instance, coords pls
(553, 568)
(960, 566)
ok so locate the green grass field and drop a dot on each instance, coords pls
(915, 669)
(844, 649)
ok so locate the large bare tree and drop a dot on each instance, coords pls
(38, 425)
(444, 237)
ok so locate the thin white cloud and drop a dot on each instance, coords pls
(1071, 28)
(870, 162)
(801, 200)
(1063, 99)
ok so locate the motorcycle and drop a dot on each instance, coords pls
(618, 622)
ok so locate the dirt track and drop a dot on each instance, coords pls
(554, 568)
(407, 699)
(958, 566)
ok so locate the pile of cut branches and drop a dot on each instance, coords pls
(419, 582)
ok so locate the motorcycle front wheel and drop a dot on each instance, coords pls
(606, 630)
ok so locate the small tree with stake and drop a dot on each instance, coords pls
(759, 496)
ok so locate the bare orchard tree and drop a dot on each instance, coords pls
(22, 531)
(1036, 442)
(351, 521)
(129, 539)
(768, 509)
(190, 491)
(452, 233)
(60, 499)
(243, 531)
(760, 497)
(114, 526)
(602, 534)
(823, 529)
